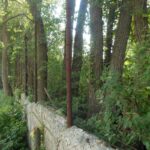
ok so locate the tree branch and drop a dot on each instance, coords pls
(18, 15)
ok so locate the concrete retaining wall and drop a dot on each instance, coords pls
(55, 132)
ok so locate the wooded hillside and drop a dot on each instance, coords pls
(88, 58)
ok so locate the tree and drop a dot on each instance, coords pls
(96, 53)
(121, 37)
(109, 36)
(26, 64)
(5, 40)
(35, 61)
(140, 20)
(78, 48)
(42, 50)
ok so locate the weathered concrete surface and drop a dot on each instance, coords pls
(56, 134)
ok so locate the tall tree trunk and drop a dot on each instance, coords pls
(140, 20)
(41, 61)
(35, 61)
(31, 74)
(26, 66)
(1, 86)
(5, 40)
(78, 48)
(41, 50)
(68, 60)
(96, 28)
(121, 37)
(18, 72)
(96, 60)
(109, 36)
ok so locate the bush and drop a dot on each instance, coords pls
(124, 117)
(12, 126)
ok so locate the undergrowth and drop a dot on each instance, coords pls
(13, 128)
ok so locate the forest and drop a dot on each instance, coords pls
(88, 58)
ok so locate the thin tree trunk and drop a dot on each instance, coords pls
(18, 72)
(109, 36)
(35, 62)
(26, 66)
(121, 37)
(5, 40)
(68, 60)
(1, 86)
(78, 48)
(31, 73)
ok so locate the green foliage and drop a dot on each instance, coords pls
(84, 75)
(123, 120)
(12, 126)
(125, 103)
(55, 72)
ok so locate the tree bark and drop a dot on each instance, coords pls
(78, 48)
(1, 86)
(42, 50)
(121, 37)
(41, 61)
(96, 27)
(35, 61)
(26, 65)
(140, 20)
(5, 40)
(109, 36)
(31, 74)
(96, 58)
(18, 71)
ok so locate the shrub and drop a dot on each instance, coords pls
(12, 125)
